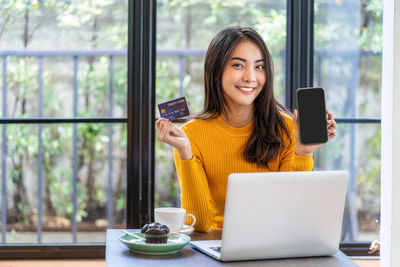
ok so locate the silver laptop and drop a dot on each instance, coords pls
(280, 215)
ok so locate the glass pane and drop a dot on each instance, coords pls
(347, 57)
(62, 57)
(356, 149)
(65, 46)
(184, 30)
(100, 182)
(348, 64)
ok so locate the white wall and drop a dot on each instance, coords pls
(390, 174)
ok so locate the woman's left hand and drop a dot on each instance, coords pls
(307, 150)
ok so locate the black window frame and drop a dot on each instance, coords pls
(141, 115)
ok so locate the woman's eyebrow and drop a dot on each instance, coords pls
(244, 60)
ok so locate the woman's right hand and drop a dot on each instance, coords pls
(171, 134)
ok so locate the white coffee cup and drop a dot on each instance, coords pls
(174, 218)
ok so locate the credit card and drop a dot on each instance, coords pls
(174, 109)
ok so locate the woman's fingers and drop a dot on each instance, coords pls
(331, 125)
(331, 135)
(160, 122)
(295, 124)
(295, 115)
(164, 132)
(331, 131)
(330, 115)
(169, 132)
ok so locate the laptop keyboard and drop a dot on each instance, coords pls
(217, 249)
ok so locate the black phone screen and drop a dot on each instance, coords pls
(312, 116)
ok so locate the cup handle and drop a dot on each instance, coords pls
(194, 219)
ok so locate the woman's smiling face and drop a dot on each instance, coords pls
(244, 75)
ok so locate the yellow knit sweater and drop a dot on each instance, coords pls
(217, 152)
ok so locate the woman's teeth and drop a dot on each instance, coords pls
(247, 89)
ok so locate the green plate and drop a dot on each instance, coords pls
(175, 242)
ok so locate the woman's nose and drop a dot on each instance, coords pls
(249, 75)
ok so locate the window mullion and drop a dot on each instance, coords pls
(141, 90)
(299, 48)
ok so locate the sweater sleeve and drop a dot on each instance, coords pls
(195, 193)
(289, 160)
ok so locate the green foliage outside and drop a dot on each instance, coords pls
(93, 139)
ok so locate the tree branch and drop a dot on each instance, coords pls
(42, 19)
(3, 26)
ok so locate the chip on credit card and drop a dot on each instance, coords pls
(174, 109)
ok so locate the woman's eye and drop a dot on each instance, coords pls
(238, 65)
(260, 67)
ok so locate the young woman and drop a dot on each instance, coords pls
(241, 129)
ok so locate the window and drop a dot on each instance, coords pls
(348, 64)
(64, 108)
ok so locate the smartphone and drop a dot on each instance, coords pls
(311, 115)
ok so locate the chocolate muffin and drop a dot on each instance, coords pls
(155, 233)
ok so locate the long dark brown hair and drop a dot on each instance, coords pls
(269, 124)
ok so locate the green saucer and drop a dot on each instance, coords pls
(175, 242)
